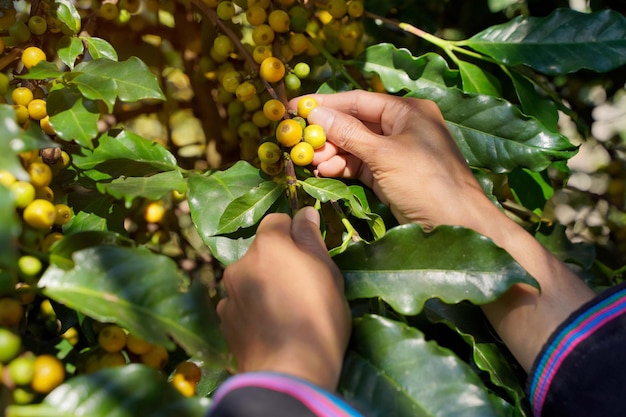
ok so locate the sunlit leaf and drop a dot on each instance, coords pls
(96, 87)
(67, 13)
(409, 266)
(152, 187)
(69, 48)
(392, 370)
(73, 117)
(99, 48)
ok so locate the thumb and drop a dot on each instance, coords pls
(345, 131)
(305, 232)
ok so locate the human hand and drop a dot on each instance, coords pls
(402, 149)
(285, 309)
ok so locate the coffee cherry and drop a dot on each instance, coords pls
(226, 10)
(259, 119)
(45, 193)
(252, 104)
(10, 345)
(19, 32)
(6, 178)
(248, 130)
(302, 70)
(21, 96)
(63, 214)
(356, 8)
(40, 174)
(263, 35)
(298, 19)
(272, 69)
(298, 43)
(269, 152)
(245, 91)
(71, 335)
(49, 373)
(272, 169)
(156, 357)
(288, 132)
(183, 385)
(29, 266)
(274, 109)
(32, 56)
(37, 109)
(154, 212)
(286, 53)
(259, 53)
(231, 81)
(50, 240)
(223, 45)
(40, 214)
(112, 338)
(337, 8)
(279, 21)
(256, 15)
(137, 345)
(11, 312)
(292, 82)
(23, 395)
(108, 11)
(111, 360)
(315, 136)
(189, 370)
(21, 114)
(305, 105)
(22, 369)
(23, 193)
(46, 126)
(302, 154)
(4, 83)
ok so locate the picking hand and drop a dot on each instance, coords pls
(285, 310)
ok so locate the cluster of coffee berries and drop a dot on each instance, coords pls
(293, 134)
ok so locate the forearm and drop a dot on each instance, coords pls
(525, 317)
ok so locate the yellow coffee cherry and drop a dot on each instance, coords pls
(315, 136)
(189, 370)
(6, 178)
(49, 373)
(21, 96)
(32, 55)
(137, 345)
(302, 154)
(156, 357)
(305, 105)
(112, 338)
(269, 152)
(259, 53)
(39, 214)
(182, 385)
(274, 109)
(272, 69)
(50, 239)
(45, 193)
(259, 119)
(37, 109)
(256, 15)
(288, 132)
(21, 113)
(263, 35)
(155, 211)
(279, 21)
(245, 91)
(63, 214)
(46, 126)
(40, 174)
(272, 169)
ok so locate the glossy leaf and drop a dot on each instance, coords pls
(67, 13)
(208, 197)
(69, 48)
(152, 187)
(96, 87)
(326, 189)
(42, 71)
(248, 209)
(477, 80)
(409, 266)
(392, 370)
(108, 283)
(534, 104)
(127, 391)
(563, 42)
(490, 131)
(471, 324)
(99, 48)
(140, 156)
(10, 228)
(73, 117)
(531, 189)
(133, 78)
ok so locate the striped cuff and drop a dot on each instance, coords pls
(576, 330)
(317, 400)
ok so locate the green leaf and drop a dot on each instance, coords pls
(42, 71)
(67, 13)
(133, 78)
(99, 48)
(127, 391)
(152, 187)
(208, 197)
(248, 209)
(11, 137)
(326, 189)
(127, 153)
(470, 323)
(499, 5)
(108, 283)
(73, 117)
(490, 131)
(477, 80)
(409, 266)
(33, 138)
(61, 253)
(10, 228)
(531, 189)
(534, 104)
(69, 48)
(392, 370)
(96, 87)
(563, 42)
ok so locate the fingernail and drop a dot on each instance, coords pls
(321, 116)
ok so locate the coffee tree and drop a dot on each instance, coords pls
(144, 140)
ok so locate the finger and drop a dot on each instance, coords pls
(305, 231)
(325, 152)
(274, 223)
(346, 132)
(346, 166)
